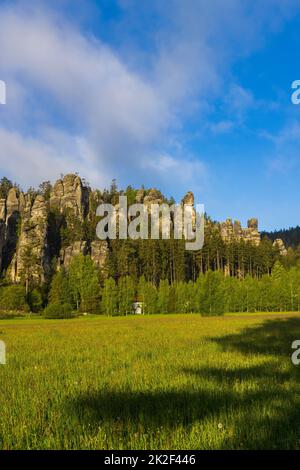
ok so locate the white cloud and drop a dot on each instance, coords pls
(74, 103)
(187, 170)
(29, 160)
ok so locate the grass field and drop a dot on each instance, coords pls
(160, 382)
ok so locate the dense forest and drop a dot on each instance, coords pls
(235, 276)
(290, 236)
(213, 293)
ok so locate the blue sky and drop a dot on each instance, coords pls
(180, 95)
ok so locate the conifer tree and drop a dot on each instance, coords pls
(59, 289)
(84, 284)
(163, 296)
(212, 294)
(147, 294)
(126, 295)
(109, 302)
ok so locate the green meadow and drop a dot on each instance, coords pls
(151, 382)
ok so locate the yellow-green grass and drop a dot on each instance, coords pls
(157, 382)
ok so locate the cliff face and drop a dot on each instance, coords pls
(2, 228)
(25, 224)
(9, 220)
(30, 224)
(70, 197)
(31, 259)
(69, 194)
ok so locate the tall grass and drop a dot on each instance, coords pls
(157, 382)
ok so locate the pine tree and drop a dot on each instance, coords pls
(84, 284)
(163, 296)
(60, 289)
(147, 294)
(126, 295)
(109, 302)
(211, 294)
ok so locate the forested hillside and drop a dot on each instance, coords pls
(290, 236)
(50, 254)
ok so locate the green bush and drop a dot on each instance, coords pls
(58, 310)
(35, 300)
(13, 298)
(9, 314)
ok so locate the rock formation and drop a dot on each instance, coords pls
(189, 199)
(30, 224)
(153, 197)
(233, 231)
(25, 226)
(31, 260)
(99, 253)
(278, 243)
(69, 194)
(97, 249)
(68, 253)
(9, 219)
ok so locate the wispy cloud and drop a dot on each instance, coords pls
(75, 103)
(285, 156)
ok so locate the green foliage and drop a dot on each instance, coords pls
(84, 284)
(35, 300)
(109, 302)
(126, 295)
(58, 310)
(72, 228)
(165, 277)
(211, 294)
(13, 298)
(147, 294)
(45, 189)
(60, 290)
(290, 237)
(278, 271)
(163, 297)
(31, 265)
(185, 301)
(5, 186)
(131, 195)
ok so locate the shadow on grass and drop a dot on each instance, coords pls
(272, 338)
(258, 405)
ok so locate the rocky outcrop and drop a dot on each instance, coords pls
(189, 199)
(9, 219)
(98, 250)
(69, 194)
(140, 196)
(2, 228)
(153, 196)
(12, 203)
(32, 223)
(234, 232)
(31, 262)
(68, 253)
(278, 243)
(99, 254)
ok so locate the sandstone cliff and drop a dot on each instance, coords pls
(233, 231)
(25, 227)
(31, 225)
(69, 194)
(31, 259)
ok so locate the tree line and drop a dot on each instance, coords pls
(80, 291)
(235, 276)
